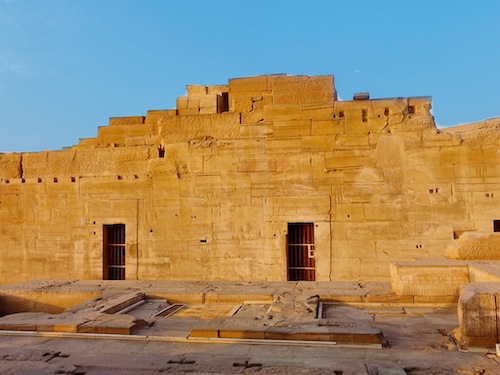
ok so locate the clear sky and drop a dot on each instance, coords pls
(66, 66)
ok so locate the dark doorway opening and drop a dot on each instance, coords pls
(496, 225)
(114, 252)
(223, 102)
(300, 245)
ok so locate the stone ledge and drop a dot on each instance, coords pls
(72, 323)
(390, 299)
(112, 324)
(322, 330)
(121, 302)
(126, 120)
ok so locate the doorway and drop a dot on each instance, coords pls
(300, 244)
(114, 252)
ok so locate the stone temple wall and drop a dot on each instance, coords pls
(377, 179)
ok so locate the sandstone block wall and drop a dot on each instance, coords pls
(206, 190)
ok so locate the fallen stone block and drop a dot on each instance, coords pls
(475, 246)
(478, 315)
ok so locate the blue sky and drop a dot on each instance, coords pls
(67, 66)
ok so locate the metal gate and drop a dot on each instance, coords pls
(114, 252)
(301, 262)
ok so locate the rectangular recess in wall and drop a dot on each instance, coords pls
(364, 115)
(496, 225)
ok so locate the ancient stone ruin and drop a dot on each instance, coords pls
(268, 178)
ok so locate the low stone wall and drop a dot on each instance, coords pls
(484, 272)
(436, 278)
(39, 301)
(474, 285)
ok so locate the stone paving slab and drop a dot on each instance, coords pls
(70, 323)
(41, 322)
(112, 324)
(121, 302)
(280, 306)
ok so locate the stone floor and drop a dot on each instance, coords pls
(40, 355)
(416, 336)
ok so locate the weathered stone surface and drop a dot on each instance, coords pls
(429, 278)
(478, 315)
(11, 165)
(129, 120)
(303, 90)
(121, 324)
(475, 246)
(477, 310)
(206, 190)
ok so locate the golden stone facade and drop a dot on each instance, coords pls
(210, 190)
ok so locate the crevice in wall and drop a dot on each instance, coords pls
(331, 237)
(177, 171)
(254, 100)
(21, 169)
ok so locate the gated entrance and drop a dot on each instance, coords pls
(301, 262)
(114, 252)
